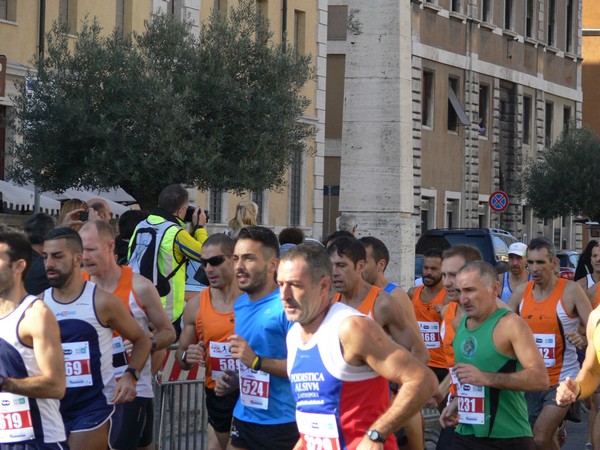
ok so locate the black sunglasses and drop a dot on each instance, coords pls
(214, 261)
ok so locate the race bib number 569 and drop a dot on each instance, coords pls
(77, 364)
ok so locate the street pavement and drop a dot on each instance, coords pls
(577, 434)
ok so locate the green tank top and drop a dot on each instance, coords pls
(485, 411)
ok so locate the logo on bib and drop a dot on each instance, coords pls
(469, 347)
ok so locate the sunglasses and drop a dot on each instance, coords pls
(214, 261)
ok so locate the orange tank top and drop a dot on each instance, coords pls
(447, 331)
(430, 323)
(368, 304)
(596, 298)
(213, 328)
(549, 322)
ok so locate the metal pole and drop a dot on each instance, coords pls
(42, 32)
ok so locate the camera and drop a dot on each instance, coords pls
(189, 214)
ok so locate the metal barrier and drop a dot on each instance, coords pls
(180, 412)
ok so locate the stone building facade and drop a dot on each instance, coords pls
(444, 103)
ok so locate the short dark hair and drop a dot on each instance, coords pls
(70, 235)
(350, 247)
(433, 253)
(465, 251)
(129, 220)
(263, 235)
(337, 234)
(317, 260)
(484, 269)
(221, 239)
(38, 226)
(18, 247)
(173, 197)
(539, 243)
(291, 235)
(380, 251)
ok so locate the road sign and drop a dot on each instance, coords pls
(498, 201)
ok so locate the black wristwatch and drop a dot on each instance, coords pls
(134, 373)
(375, 436)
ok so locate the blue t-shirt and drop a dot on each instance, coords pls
(263, 324)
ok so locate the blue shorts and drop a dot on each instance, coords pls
(88, 420)
(131, 424)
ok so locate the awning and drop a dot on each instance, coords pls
(115, 208)
(21, 199)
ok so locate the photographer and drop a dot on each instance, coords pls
(160, 247)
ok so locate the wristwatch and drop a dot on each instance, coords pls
(375, 436)
(183, 356)
(134, 373)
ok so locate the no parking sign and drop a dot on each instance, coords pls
(498, 201)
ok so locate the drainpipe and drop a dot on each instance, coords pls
(42, 32)
(284, 9)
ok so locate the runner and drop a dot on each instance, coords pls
(517, 274)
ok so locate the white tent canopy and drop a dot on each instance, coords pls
(22, 199)
(115, 208)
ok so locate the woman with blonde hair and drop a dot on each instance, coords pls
(69, 215)
(246, 213)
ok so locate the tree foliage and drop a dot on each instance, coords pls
(564, 180)
(219, 111)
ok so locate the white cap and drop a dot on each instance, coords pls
(518, 248)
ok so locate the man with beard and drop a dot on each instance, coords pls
(33, 371)
(87, 317)
(264, 416)
(427, 301)
(208, 321)
(517, 274)
(131, 425)
(340, 362)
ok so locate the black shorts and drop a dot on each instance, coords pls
(440, 372)
(252, 436)
(220, 409)
(461, 442)
(131, 424)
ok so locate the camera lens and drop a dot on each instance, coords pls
(189, 214)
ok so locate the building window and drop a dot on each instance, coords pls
(257, 197)
(455, 110)
(508, 10)
(484, 106)
(570, 26)
(337, 23)
(4, 9)
(551, 22)
(483, 215)
(566, 118)
(262, 8)
(296, 189)
(299, 31)
(427, 99)
(220, 7)
(548, 125)
(216, 206)
(529, 19)
(486, 11)
(8, 10)
(67, 15)
(120, 17)
(526, 120)
(427, 213)
(452, 213)
(457, 6)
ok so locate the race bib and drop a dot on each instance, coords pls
(471, 404)
(254, 387)
(546, 344)
(15, 418)
(431, 334)
(120, 361)
(318, 431)
(220, 358)
(77, 364)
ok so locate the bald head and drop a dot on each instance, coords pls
(101, 207)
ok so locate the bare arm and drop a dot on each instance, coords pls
(390, 316)
(188, 339)
(588, 378)
(164, 333)
(363, 341)
(405, 303)
(576, 295)
(591, 293)
(242, 350)
(39, 329)
(516, 297)
(512, 337)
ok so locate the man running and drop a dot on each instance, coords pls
(87, 317)
(339, 363)
(208, 321)
(517, 274)
(553, 308)
(131, 425)
(33, 370)
(264, 414)
(496, 359)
